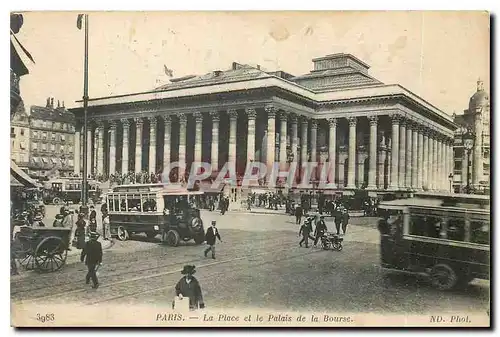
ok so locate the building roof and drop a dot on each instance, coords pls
(51, 114)
(236, 74)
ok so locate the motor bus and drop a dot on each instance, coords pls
(446, 238)
(61, 190)
(155, 209)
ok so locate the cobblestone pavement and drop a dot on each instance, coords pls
(259, 265)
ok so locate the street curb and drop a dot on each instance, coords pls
(352, 215)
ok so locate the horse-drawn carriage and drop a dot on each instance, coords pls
(43, 249)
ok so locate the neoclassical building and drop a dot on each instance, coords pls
(476, 119)
(371, 135)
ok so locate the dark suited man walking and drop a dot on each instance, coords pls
(210, 237)
(92, 253)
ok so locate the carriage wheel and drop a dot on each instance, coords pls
(56, 201)
(27, 261)
(50, 254)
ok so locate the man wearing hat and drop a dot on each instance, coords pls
(320, 229)
(305, 229)
(189, 287)
(92, 254)
(210, 237)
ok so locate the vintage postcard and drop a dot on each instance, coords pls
(289, 169)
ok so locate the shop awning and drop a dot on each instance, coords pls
(21, 177)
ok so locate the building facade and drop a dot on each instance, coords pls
(20, 138)
(52, 131)
(475, 119)
(371, 135)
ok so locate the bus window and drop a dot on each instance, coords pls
(116, 203)
(456, 229)
(425, 226)
(480, 232)
(123, 205)
(134, 203)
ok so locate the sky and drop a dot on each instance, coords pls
(437, 55)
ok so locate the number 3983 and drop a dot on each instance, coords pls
(45, 318)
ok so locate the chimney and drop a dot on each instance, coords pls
(47, 105)
(58, 104)
(52, 102)
(63, 105)
(258, 66)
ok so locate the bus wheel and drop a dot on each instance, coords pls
(122, 233)
(56, 201)
(443, 277)
(172, 238)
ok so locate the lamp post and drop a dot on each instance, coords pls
(468, 141)
(450, 178)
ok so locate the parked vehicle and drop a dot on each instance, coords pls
(155, 209)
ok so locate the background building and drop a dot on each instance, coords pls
(373, 136)
(476, 119)
(20, 138)
(51, 140)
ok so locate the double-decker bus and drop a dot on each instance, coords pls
(69, 189)
(446, 237)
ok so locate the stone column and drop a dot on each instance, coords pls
(76, 160)
(251, 115)
(420, 164)
(182, 146)
(477, 152)
(314, 139)
(372, 171)
(198, 136)
(408, 166)
(167, 144)
(351, 173)
(414, 158)
(294, 137)
(434, 162)
(271, 135)
(100, 148)
(439, 166)
(233, 116)
(214, 156)
(303, 140)
(425, 160)
(152, 144)
(332, 153)
(283, 135)
(138, 144)
(402, 154)
(465, 163)
(112, 147)
(126, 125)
(394, 183)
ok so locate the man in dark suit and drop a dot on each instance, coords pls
(210, 237)
(92, 253)
(298, 214)
(305, 229)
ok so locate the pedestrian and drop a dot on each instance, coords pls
(338, 219)
(320, 229)
(93, 213)
(58, 221)
(92, 254)
(210, 237)
(298, 214)
(188, 286)
(305, 229)
(345, 220)
(80, 231)
(106, 228)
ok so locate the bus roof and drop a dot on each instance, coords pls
(164, 189)
(457, 202)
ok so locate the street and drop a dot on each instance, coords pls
(259, 265)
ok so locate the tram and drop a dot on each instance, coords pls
(446, 237)
(68, 189)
